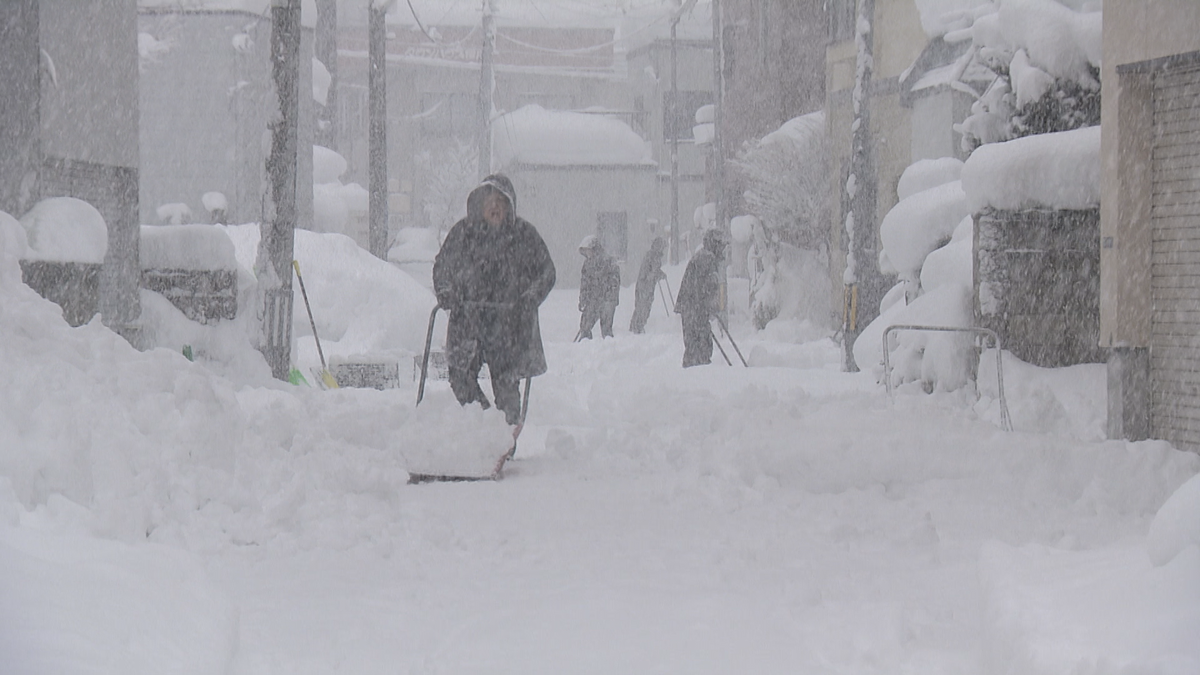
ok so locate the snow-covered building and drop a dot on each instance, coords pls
(1150, 219)
(68, 73)
(205, 100)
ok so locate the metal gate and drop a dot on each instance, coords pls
(1175, 262)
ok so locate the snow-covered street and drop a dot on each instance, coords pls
(773, 519)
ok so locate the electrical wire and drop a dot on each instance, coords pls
(582, 50)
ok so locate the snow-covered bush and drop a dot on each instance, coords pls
(1046, 57)
(786, 175)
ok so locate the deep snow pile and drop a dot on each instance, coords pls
(157, 517)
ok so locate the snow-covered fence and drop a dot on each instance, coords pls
(1037, 283)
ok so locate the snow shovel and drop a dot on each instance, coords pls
(735, 347)
(419, 477)
(325, 377)
(663, 296)
(719, 347)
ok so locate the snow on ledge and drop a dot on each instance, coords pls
(186, 247)
(1057, 171)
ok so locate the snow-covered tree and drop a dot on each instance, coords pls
(787, 179)
(445, 177)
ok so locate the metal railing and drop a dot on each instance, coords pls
(1005, 420)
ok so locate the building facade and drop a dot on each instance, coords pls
(69, 75)
(1150, 220)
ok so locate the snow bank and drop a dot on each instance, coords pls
(321, 80)
(65, 229)
(1049, 611)
(534, 135)
(916, 226)
(364, 307)
(1176, 527)
(328, 165)
(73, 604)
(186, 247)
(415, 244)
(925, 174)
(1058, 171)
(936, 358)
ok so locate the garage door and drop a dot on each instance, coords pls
(1175, 211)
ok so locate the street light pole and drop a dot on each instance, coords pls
(377, 170)
(675, 18)
(487, 84)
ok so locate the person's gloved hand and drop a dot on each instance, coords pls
(448, 300)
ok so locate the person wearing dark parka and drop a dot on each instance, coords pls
(648, 277)
(599, 288)
(699, 299)
(492, 273)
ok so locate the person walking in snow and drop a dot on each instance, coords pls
(648, 277)
(491, 275)
(699, 299)
(599, 288)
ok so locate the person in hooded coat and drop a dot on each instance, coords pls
(599, 288)
(648, 277)
(699, 299)
(492, 273)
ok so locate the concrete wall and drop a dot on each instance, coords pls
(564, 203)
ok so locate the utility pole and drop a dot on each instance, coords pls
(685, 7)
(487, 84)
(326, 51)
(718, 143)
(864, 285)
(274, 267)
(377, 170)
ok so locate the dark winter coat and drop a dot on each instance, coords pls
(699, 291)
(649, 276)
(599, 281)
(507, 266)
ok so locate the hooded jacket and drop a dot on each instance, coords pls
(494, 278)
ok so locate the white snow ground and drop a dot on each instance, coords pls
(156, 517)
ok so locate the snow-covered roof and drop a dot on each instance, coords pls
(534, 135)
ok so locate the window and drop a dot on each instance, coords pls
(679, 117)
(612, 228)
